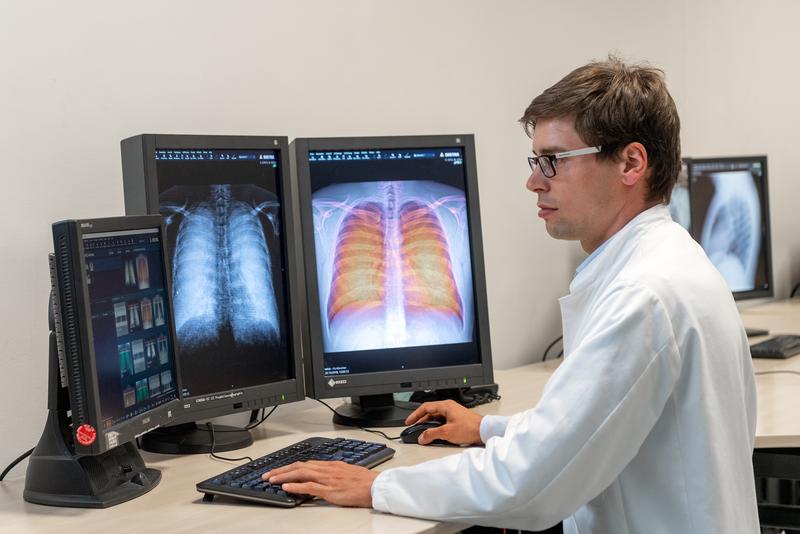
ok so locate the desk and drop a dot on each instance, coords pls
(175, 507)
(778, 424)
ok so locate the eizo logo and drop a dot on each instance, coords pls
(333, 382)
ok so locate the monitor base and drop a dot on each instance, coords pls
(469, 397)
(58, 477)
(189, 438)
(374, 410)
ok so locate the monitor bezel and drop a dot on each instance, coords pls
(262, 395)
(129, 429)
(320, 386)
(691, 162)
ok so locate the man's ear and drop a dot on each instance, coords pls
(634, 159)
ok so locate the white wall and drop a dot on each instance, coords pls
(743, 75)
(79, 76)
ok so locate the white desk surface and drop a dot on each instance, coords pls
(175, 506)
(778, 423)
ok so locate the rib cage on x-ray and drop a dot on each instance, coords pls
(222, 269)
(731, 234)
(393, 265)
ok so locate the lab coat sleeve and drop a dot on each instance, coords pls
(493, 425)
(595, 413)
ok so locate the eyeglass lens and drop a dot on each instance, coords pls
(544, 163)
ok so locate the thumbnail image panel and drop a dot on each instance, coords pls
(142, 392)
(154, 383)
(125, 360)
(147, 313)
(139, 364)
(129, 396)
(166, 380)
(163, 349)
(393, 265)
(121, 319)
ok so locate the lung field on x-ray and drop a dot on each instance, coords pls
(393, 265)
(224, 243)
(730, 226)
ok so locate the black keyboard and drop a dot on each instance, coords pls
(244, 482)
(782, 346)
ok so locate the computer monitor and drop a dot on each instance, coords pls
(394, 270)
(730, 220)
(113, 368)
(679, 203)
(227, 207)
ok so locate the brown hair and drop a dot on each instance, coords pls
(615, 104)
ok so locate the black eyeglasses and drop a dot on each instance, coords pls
(547, 162)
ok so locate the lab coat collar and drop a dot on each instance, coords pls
(614, 248)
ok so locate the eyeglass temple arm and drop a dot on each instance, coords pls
(578, 152)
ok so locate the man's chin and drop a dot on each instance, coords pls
(558, 232)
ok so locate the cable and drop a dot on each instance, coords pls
(264, 418)
(361, 427)
(15, 462)
(777, 372)
(550, 346)
(794, 290)
(250, 426)
(210, 425)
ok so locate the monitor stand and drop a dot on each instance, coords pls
(191, 438)
(56, 476)
(374, 410)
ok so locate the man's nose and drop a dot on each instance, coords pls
(537, 181)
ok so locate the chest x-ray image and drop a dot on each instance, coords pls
(731, 230)
(393, 265)
(222, 266)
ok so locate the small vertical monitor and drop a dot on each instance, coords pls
(730, 220)
(113, 375)
(226, 203)
(117, 341)
(394, 270)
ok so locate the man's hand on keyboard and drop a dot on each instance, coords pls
(336, 482)
(462, 426)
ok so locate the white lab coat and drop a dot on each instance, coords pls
(646, 427)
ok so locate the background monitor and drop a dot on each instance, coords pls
(394, 270)
(226, 203)
(679, 203)
(730, 220)
(112, 328)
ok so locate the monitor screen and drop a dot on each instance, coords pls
(113, 331)
(730, 220)
(129, 311)
(679, 206)
(222, 211)
(394, 271)
(393, 259)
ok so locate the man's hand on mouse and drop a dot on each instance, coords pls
(336, 482)
(462, 426)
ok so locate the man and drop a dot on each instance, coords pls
(648, 424)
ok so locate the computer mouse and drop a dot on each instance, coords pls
(411, 433)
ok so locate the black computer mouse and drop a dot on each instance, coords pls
(411, 433)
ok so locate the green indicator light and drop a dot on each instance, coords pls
(465, 379)
(283, 397)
